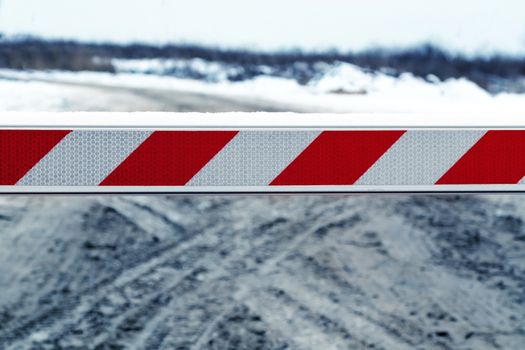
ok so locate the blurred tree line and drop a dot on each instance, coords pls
(33, 53)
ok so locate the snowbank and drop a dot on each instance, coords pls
(340, 88)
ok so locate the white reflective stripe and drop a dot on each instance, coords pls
(253, 158)
(84, 158)
(522, 181)
(420, 157)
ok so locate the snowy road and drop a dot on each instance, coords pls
(55, 95)
(311, 272)
(268, 272)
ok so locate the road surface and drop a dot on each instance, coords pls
(258, 272)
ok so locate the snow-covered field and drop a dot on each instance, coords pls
(337, 88)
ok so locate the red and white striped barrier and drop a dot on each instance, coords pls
(257, 153)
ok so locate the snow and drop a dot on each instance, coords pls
(211, 71)
(381, 272)
(39, 336)
(18, 95)
(342, 88)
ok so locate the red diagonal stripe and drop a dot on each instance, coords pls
(20, 150)
(337, 158)
(169, 158)
(497, 158)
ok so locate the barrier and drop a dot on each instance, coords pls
(261, 152)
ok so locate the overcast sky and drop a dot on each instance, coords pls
(469, 26)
